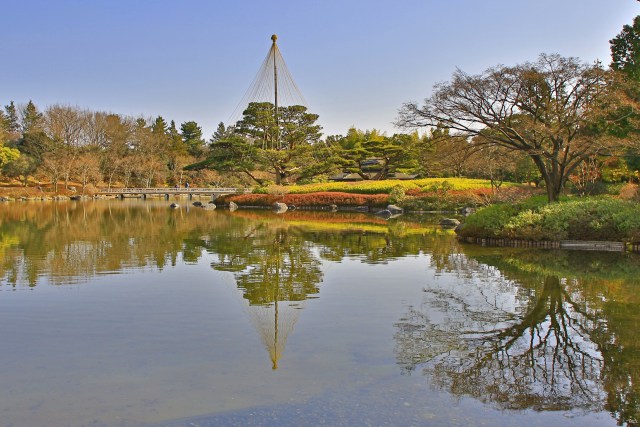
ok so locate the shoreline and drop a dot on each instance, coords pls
(584, 245)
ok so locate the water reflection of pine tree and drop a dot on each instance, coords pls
(280, 271)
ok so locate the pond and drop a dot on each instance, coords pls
(128, 313)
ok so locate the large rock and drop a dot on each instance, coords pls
(395, 210)
(279, 207)
(197, 204)
(449, 222)
(209, 206)
(232, 206)
(386, 213)
(467, 211)
(174, 206)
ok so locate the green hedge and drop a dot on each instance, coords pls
(577, 219)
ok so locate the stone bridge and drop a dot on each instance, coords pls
(214, 192)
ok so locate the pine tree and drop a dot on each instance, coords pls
(159, 126)
(625, 50)
(177, 144)
(12, 118)
(221, 132)
(31, 118)
(192, 137)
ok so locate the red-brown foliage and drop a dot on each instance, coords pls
(311, 199)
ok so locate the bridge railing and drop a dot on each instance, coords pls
(174, 190)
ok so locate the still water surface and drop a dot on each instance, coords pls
(126, 313)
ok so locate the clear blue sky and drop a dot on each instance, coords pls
(356, 62)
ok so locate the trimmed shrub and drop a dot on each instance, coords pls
(581, 219)
(397, 195)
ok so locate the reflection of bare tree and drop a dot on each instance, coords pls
(607, 283)
(526, 348)
(621, 351)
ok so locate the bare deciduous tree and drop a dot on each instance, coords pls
(556, 110)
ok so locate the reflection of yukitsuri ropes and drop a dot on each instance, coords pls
(276, 275)
(274, 49)
(275, 320)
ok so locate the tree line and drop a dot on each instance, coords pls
(64, 143)
(554, 121)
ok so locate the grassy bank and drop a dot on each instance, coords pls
(424, 185)
(595, 218)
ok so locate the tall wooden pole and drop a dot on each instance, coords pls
(275, 90)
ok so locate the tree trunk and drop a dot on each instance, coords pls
(552, 181)
(259, 181)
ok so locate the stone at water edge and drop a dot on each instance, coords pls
(395, 209)
(449, 222)
(279, 207)
(386, 213)
(174, 205)
(467, 211)
(232, 206)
